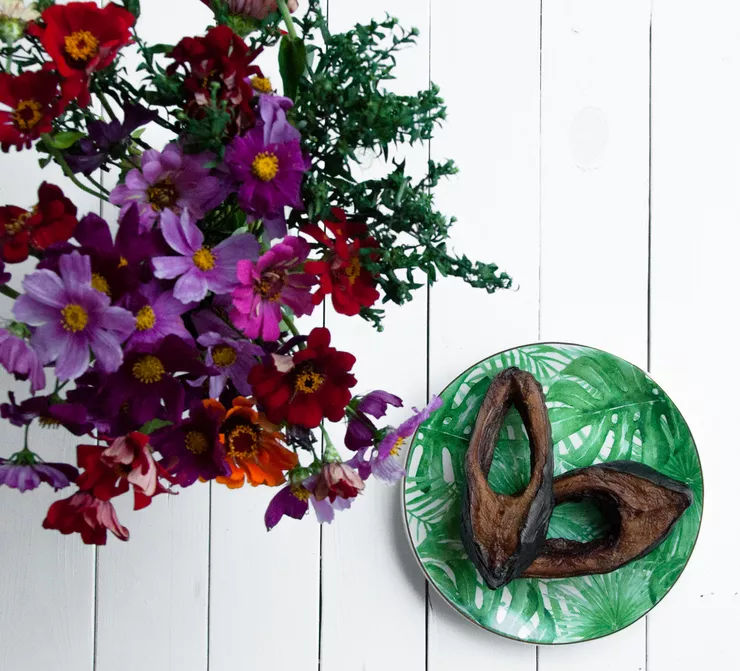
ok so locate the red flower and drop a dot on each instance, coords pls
(341, 272)
(33, 98)
(82, 513)
(82, 38)
(311, 386)
(52, 220)
(220, 57)
(338, 480)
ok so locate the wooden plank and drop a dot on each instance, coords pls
(370, 581)
(487, 63)
(695, 209)
(46, 579)
(158, 581)
(595, 110)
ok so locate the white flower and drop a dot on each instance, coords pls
(16, 9)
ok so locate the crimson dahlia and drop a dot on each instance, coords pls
(33, 99)
(311, 386)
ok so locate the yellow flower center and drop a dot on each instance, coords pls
(243, 441)
(74, 318)
(262, 84)
(145, 318)
(204, 259)
(162, 195)
(265, 166)
(123, 262)
(27, 114)
(396, 446)
(352, 271)
(18, 224)
(81, 45)
(224, 356)
(269, 287)
(196, 442)
(99, 283)
(300, 492)
(308, 382)
(148, 369)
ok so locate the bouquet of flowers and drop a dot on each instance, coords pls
(171, 332)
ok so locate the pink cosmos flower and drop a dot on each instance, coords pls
(276, 279)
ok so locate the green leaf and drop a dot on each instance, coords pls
(133, 6)
(152, 425)
(292, 61)
(66, 139)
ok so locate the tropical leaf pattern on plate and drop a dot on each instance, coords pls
(602, 409)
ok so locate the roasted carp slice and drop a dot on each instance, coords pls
(503, 534)
(639, 504)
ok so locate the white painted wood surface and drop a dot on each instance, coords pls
(601, 169)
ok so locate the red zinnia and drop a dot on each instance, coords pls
(33, 98)
(224, 58)
(86, 515)
(52, 220)
(341, 272)
(311, 386)
(82, 38)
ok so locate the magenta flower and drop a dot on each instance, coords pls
(27, 475)
(199, 268)
(72, 416)
(4, 276)
(361, 432)
(170, 180)
(276, 279)
(158, 314)
(233, 359)
(72, 318)
(270, 173)
(21, 360)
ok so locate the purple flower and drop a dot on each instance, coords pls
(26, 476)
(71, 318)
(276, 126)
(170, 180)
(72, 416)
(325, 508)
(4, 277)
(233, 359)
(192, 448)
(270, 173)
(276, 279)
(361, 431)
(21, 360)
(148, 383)
(103, 138)
(157, 314)
(199, 268)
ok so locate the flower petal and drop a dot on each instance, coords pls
(45, 287)
(181, 233)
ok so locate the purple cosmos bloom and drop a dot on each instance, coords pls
(276, 126)
(270, 173)
(360, 429)
(103, 138)
(147, 384)
(24, 477)
(192, 448)
(170, 180)
(291, 500)
(199, 268)
(157, 314)
(72, 318)
(276, 279)
(21, 360)
(4, 277)
(72, 416)
(233, 359)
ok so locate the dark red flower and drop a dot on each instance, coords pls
(33, 99)
(311, 386)
(341, 272)
(82, 513)
(338, 480)
(220, 57)
(82, 38)
(52, 220)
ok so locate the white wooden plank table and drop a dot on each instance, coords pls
(599, 148)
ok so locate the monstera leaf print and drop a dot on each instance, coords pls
(612, 408)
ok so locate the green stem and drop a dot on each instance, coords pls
(282, 5)
(59, 158)
(106, 105)
(5, 290)
(330, 452)
(291, 325)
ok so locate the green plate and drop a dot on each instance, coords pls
(601, 409)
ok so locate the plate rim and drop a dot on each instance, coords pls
(428, 578)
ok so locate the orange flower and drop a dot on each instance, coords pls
(253, 448)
